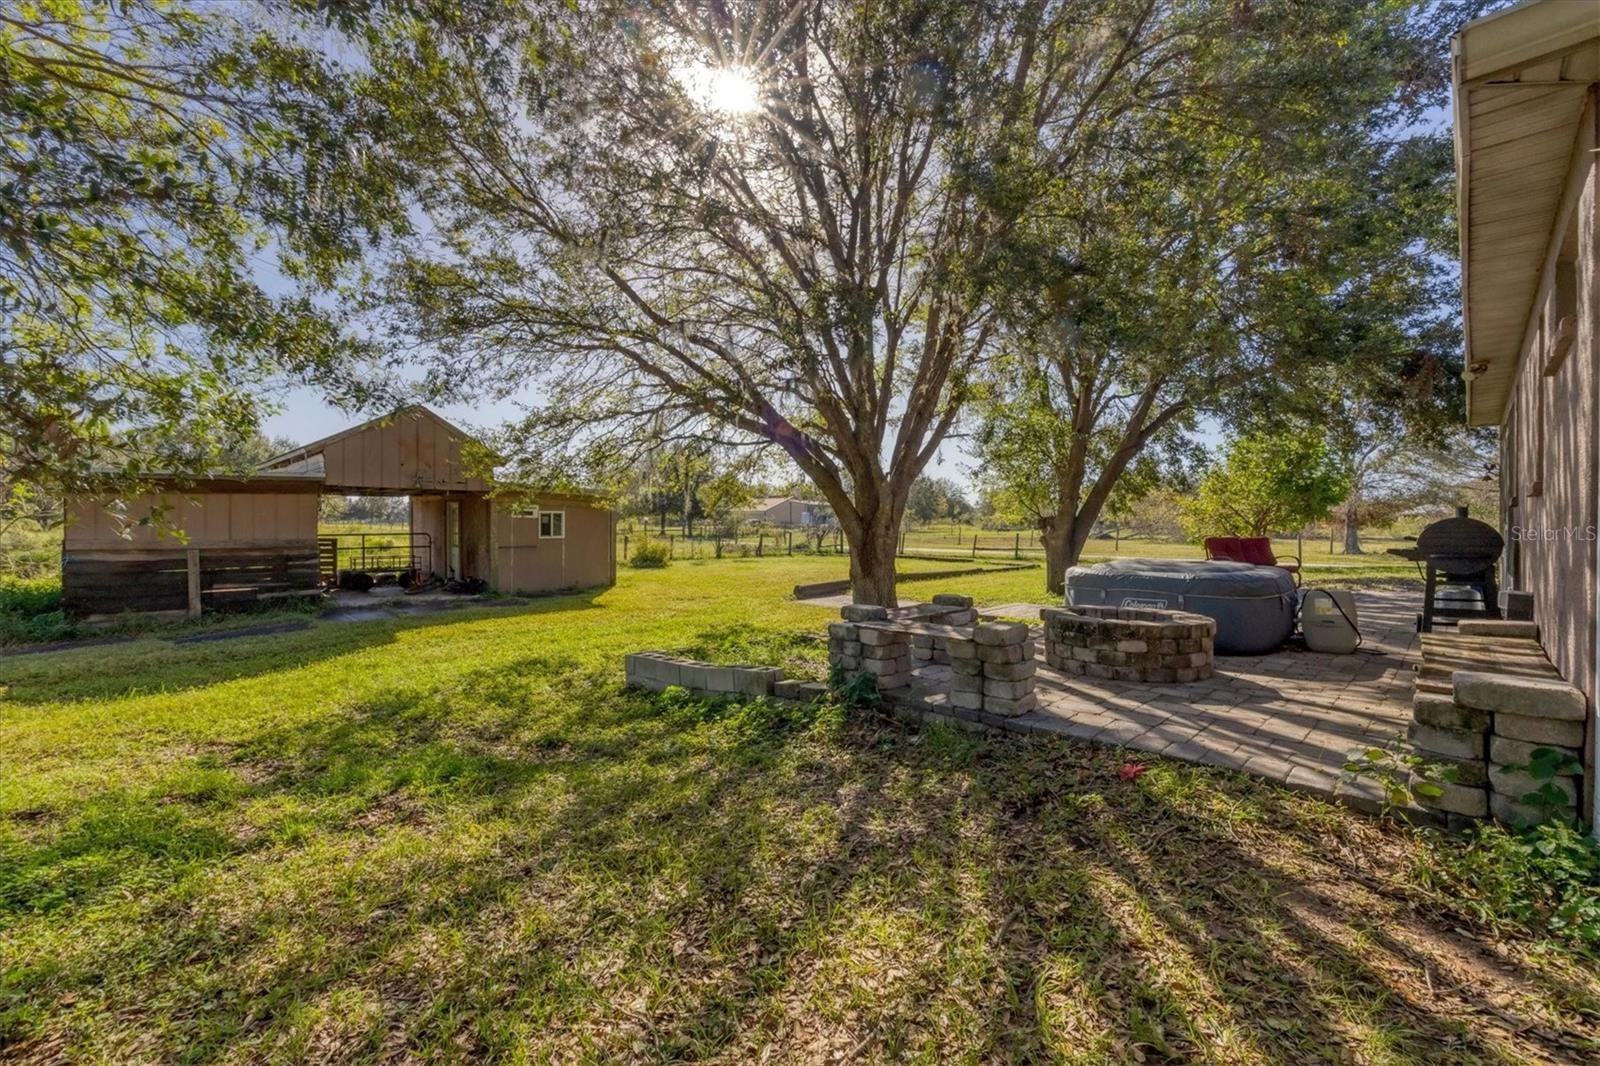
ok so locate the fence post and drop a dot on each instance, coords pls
(624, 545)
(761, 543)
(789, 542)
(902, 542)
(670, 547)
(1016, 549)
(974, 543)
(192, 557)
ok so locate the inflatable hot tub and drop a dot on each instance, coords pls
(1253, 606)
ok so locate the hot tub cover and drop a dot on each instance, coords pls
(1253, 605)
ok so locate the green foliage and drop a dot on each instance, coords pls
(30, 610)
(852, 689)
(148, 155)
(1545, 880)
(1267, 483)
(1404, 776)
(1544, 766)
(935, 498)
(650, 554)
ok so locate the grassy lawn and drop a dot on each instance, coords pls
(457, 838)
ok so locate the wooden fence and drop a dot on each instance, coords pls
(187, 580)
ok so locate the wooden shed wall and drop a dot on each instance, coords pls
(208, 520)
(239, 547)
(413, 452)
(528, 563)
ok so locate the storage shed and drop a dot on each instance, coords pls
(229, 541)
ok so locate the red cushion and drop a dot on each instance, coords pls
(1257, 550)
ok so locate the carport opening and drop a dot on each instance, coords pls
(371, 536)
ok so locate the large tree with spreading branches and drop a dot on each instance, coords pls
(793, 224)
(1226, 257)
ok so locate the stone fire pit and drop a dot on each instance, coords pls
(1129, 643)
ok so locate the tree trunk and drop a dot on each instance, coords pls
(872, 549)
(1055, 556)
(1064, 537)
(1352, 531)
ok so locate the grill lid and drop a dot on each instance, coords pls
(1460, 538)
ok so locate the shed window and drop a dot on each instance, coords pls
(552, 525)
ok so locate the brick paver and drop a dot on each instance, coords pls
(1291, 716)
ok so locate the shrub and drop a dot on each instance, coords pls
(30, 610)
(1545, 880)
(650, 555)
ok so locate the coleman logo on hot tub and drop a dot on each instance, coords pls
(1140, 601)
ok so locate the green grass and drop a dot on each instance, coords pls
(458, 838)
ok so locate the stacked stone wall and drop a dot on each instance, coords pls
(1130, 644)
(1486, 725)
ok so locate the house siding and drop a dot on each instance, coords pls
(1550, 438)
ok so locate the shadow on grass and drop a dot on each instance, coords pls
(132, 668)
(537, 861)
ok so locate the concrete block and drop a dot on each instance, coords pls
(870, 636)
(1007, 690)
(884, 651)
(788, 689)
(972, 701)
(842, 631)
(1539, 730)
(812, 690)
(1474, 773)
(961, 648)
(1458, 799)
(950, 599)
(1011, 671)
(1509, 811)
(863, 612)
(1000, 633)
(897, 665)
(1134, 647)
(1530, 697)
(1444, 712)
(1516, 784)
(1455, 743)
(923, 655)
(1010, 708)
(1508, 752)
(967, 667)
(1495, 627)
(1005, 653)
(960, 618)
(849, 662)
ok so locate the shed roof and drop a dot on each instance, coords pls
(1519, 79)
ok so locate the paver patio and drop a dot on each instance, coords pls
(1291, 716)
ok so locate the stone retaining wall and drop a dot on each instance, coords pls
(1487, 720)
(1130, 643)
(993, 670)
(657, 670)
(992, 665)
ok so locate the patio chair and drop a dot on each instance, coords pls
(1255, 550)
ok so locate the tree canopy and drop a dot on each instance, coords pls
(809, 225)
(1267, 483)
(151, 153)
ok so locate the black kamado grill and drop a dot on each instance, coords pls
(1460, 555)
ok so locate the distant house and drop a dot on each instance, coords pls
(784, 512)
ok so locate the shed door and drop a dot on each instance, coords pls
(452, 536)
